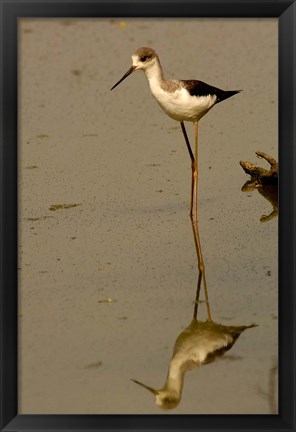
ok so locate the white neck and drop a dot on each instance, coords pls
(154, 75)
(175, 378)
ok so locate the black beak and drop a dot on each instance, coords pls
(131, 69)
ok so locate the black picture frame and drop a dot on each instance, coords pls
(11, 11)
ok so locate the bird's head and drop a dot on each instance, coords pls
(164, 398)
(143, 59)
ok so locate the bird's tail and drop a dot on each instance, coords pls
(227, 94)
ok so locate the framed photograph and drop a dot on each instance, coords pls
(147, 215)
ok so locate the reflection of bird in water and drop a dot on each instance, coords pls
(200, 343)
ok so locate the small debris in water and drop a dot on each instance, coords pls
(93, 365)
(67, 22)
(33, 219)
(55, 207)
(108, 300)
(90, 135)
(76, 72)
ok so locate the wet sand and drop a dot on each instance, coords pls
(107, 263)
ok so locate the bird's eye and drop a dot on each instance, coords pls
(143, 58)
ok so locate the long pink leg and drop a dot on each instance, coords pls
(201, 267)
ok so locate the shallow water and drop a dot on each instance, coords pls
(108, 266)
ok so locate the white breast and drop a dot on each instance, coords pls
(180, 106)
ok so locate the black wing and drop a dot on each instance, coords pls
(200, 88)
